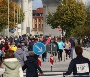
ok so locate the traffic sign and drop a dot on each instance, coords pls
(39, 48)
(59, 29)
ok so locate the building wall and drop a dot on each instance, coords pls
(26, 6)
(30, 17)
(49, 7)
(37, 26)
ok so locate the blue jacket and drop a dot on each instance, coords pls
(74, 66)
(60, 45)
(31, 67)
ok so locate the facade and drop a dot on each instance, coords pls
(33, 22)
(49, 6)
(26, 26)
(37, 26)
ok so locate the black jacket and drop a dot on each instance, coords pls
(32, 66)
(73, 66)
(72, 43)
(30, 48)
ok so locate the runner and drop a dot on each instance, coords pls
(80, 66)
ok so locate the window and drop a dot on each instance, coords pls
(35, 26)
(39, 26)
(35, 20)
(39, 20)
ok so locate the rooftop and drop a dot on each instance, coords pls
(38, 10)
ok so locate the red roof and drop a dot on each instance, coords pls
(38, 10)
(34, 10)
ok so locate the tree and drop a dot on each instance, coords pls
(70, 14)
(4, 14)
(81, 31)
(50, 20)
(87, 23)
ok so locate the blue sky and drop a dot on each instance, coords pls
(38, 3)
(88, 0)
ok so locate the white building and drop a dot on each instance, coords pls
(26, 26)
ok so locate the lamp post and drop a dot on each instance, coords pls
(8, 18)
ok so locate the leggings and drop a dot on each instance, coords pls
(60, 54)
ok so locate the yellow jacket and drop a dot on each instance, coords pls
(13, 47)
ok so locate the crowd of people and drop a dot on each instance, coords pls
(16, 53)
(26, 44)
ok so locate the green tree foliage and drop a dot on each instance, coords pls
(87, 23)
(81, 31)
(4, 14)
(50, 20)
(69, 14)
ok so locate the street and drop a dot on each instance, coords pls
(59, 67)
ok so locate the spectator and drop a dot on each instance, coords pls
(80, 66)
(25, 49)
(13, 47)
(6, 46)
(30, 48)
(78, 41)
(2, 46)
(2, 55)
(20, 55)
(72, 41)
(16, 40)
(11, 65)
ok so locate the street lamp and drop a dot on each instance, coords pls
(8, 18)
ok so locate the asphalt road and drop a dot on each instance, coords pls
(59, 67)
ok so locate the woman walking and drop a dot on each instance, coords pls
(60, 50)
(11, 65)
